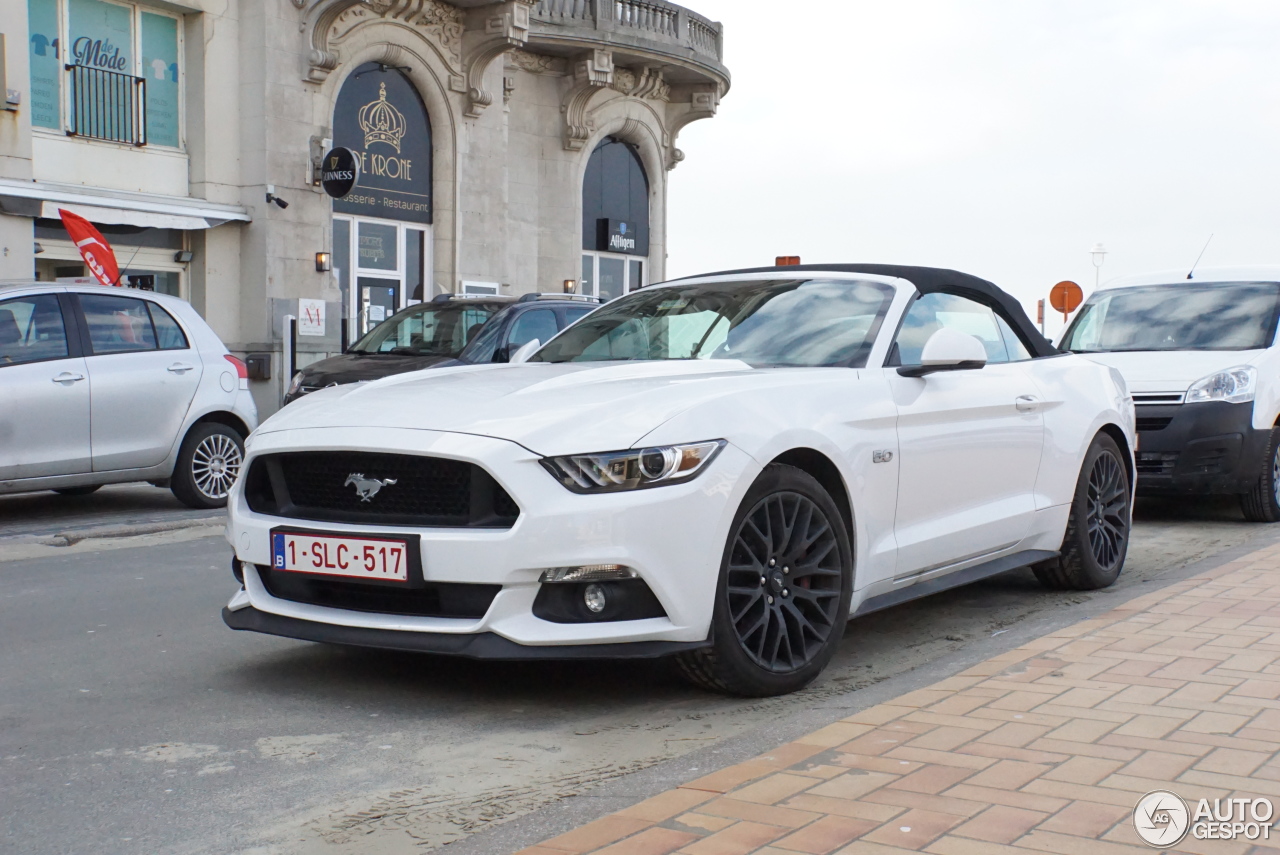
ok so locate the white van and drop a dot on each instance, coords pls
(1199, 354)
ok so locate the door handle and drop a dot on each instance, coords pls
(1027, 403)
(67, 377)
(180, 367)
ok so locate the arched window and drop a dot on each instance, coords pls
(615, 220)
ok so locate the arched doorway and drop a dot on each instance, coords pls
(615, 221)
(382, 229)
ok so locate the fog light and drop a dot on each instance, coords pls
(588, 573)
(237, 570)
(594, 599)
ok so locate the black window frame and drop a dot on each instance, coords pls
(70, 328)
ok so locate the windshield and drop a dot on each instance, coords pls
(774, 323)
(428, 330)
(1191, 316)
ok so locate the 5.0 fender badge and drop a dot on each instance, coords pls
(881, 456)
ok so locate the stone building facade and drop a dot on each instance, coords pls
(506, 147)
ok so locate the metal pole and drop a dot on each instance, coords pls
(288, 356)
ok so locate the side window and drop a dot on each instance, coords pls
(934, 311)
(535, 323)
(168, 333)
(575, 314)
(1017, 350)
(117, 324)
(31, 330)
(482, 348)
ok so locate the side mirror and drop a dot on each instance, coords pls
(948, 350)
(526, 350)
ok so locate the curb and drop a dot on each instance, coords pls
(74, 536)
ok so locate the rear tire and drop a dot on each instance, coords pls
(208, 464)
(1262, 503)
(775, 636)
(78, 491)
(1097, 538)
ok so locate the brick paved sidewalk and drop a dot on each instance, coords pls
(1046, 748)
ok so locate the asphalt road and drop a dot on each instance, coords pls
(133, 721)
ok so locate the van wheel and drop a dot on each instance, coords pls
(208, 464)
(78, 491)
(782, 600)
(1097, 538)
(1262, 503)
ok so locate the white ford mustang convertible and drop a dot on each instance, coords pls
(725, 469)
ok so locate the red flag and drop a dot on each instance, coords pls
(98, 255)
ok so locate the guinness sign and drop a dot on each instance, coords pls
(340, 172)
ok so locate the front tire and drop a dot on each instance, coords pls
(1097, 538)
(208, 464)
(782, 601)
(1262, 503)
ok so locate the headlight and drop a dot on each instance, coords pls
(634, 469)
(1235, 386)
(295, 384)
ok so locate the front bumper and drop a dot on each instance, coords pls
(482, 645)
(1207, 448)
(673, 537)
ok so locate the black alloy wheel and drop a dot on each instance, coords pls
(784, 582)
(1098, 525)
(1108, 520)
(783, 597)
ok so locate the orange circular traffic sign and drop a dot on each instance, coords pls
(1066, 297)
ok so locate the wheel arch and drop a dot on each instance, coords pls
(826, 473)
(1117, 433)
(222, 417)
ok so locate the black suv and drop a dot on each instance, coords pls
(452, 329)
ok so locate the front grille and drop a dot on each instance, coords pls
(1156, 462)
(1151, 424)
(447, 600)
(427, 491)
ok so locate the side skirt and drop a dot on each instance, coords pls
(954, 580)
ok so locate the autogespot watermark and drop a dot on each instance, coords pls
(1162, 819)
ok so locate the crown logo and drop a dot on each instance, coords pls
(382, 122)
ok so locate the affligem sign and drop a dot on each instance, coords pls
(98, 255)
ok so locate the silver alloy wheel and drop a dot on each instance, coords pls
(215, 465)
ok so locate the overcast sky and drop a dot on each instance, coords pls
(1000, 137)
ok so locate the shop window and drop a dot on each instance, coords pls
(615, 221)
(106, 70)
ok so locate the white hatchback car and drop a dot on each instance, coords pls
(723, 468)
(1201, 357)
(108, 385)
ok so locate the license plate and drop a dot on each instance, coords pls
(352, 557)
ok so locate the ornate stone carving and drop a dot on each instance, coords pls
(537, 63)
(675, 158)
(590, 75)
(332, 22)
(505, 27)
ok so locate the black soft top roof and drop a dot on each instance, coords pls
(927, 280)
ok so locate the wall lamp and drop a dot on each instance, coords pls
(324, 262)
(183, 256)
(272, 197)
(570, 286)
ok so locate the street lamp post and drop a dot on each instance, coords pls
(1099, 253)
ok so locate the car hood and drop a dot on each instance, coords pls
(1173, 370)
(355, 367)
(549, 409)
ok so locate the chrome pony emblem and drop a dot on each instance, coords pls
(367, 488)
